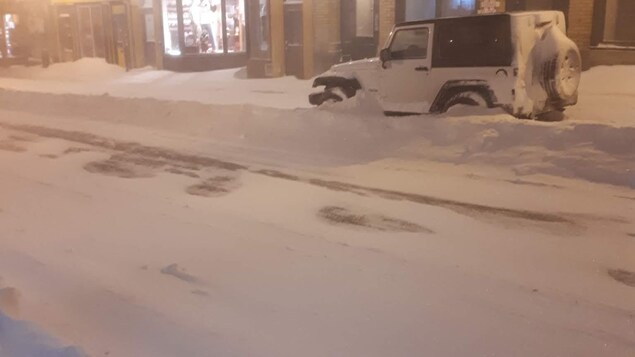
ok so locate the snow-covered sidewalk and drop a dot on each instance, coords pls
(95, 77)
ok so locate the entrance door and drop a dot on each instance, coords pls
(359, 28)
(121, 35)
(293, 39)
(405, 80)
(66, 17)
(91, 31)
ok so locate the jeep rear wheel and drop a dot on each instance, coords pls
(561, 75)
(470, 98)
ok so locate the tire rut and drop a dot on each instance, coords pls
(151, 153)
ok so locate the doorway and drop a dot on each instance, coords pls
(359, 24)
(121, 36)
(91, 31)
(293, 38)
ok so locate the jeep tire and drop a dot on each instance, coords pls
(471, 98)
(561, 75)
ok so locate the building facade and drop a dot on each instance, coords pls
(604, 30)
(23, 31)
(109, 29)
(305, 37)
(270, 37)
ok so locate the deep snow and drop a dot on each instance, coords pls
(606, 96)
(95, 77)
(145, 227)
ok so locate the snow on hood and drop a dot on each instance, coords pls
(354, 66)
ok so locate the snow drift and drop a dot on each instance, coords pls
(591, 151)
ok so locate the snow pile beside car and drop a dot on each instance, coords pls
(593, 152)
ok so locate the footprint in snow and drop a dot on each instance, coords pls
(623, 276)
(179, 273)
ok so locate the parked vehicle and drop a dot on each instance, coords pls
(522, 62)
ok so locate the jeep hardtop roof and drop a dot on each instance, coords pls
(454, 18)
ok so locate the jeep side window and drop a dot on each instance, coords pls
(473, 42)
(410, 44)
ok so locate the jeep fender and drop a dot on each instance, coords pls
(451, 88)
(337, 81)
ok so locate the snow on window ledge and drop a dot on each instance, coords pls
(613, 46)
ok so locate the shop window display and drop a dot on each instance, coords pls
(9, 34)
(458, 8)
(171, 27)
(235, 24)
(208, 26)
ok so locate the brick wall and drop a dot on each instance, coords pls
(581, 22)
(326, 29)
(386, 19)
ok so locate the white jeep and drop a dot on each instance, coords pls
(522, 62)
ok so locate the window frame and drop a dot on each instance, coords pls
(597, 29)
(414, 28)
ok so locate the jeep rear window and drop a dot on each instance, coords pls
(410, 44)
(473, 42)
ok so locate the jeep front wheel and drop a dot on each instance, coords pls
(332, 95)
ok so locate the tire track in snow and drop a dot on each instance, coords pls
(479, 211)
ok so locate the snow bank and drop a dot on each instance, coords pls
(605, 95)
(84, 70)
(594, 152)
(96, 77)
(609, 80)
(21, 339)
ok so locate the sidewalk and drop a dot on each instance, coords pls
(95, 77)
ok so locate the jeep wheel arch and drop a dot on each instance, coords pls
(452, 91)
(349, 86)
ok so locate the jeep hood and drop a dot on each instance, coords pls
(349, 69)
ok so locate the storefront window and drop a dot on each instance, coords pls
(171, 27)
(235, 24)
(202, 22)
(458, 8)
(10, 23)
(618, 23)
(206, 27)
(259, 22)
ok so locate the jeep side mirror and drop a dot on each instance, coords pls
(384, 56)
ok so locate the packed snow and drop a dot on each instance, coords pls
(141, 224)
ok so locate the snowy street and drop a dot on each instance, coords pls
(137, 224)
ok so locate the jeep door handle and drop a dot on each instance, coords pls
(422, 69)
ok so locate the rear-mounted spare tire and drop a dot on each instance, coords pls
(561, 75)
